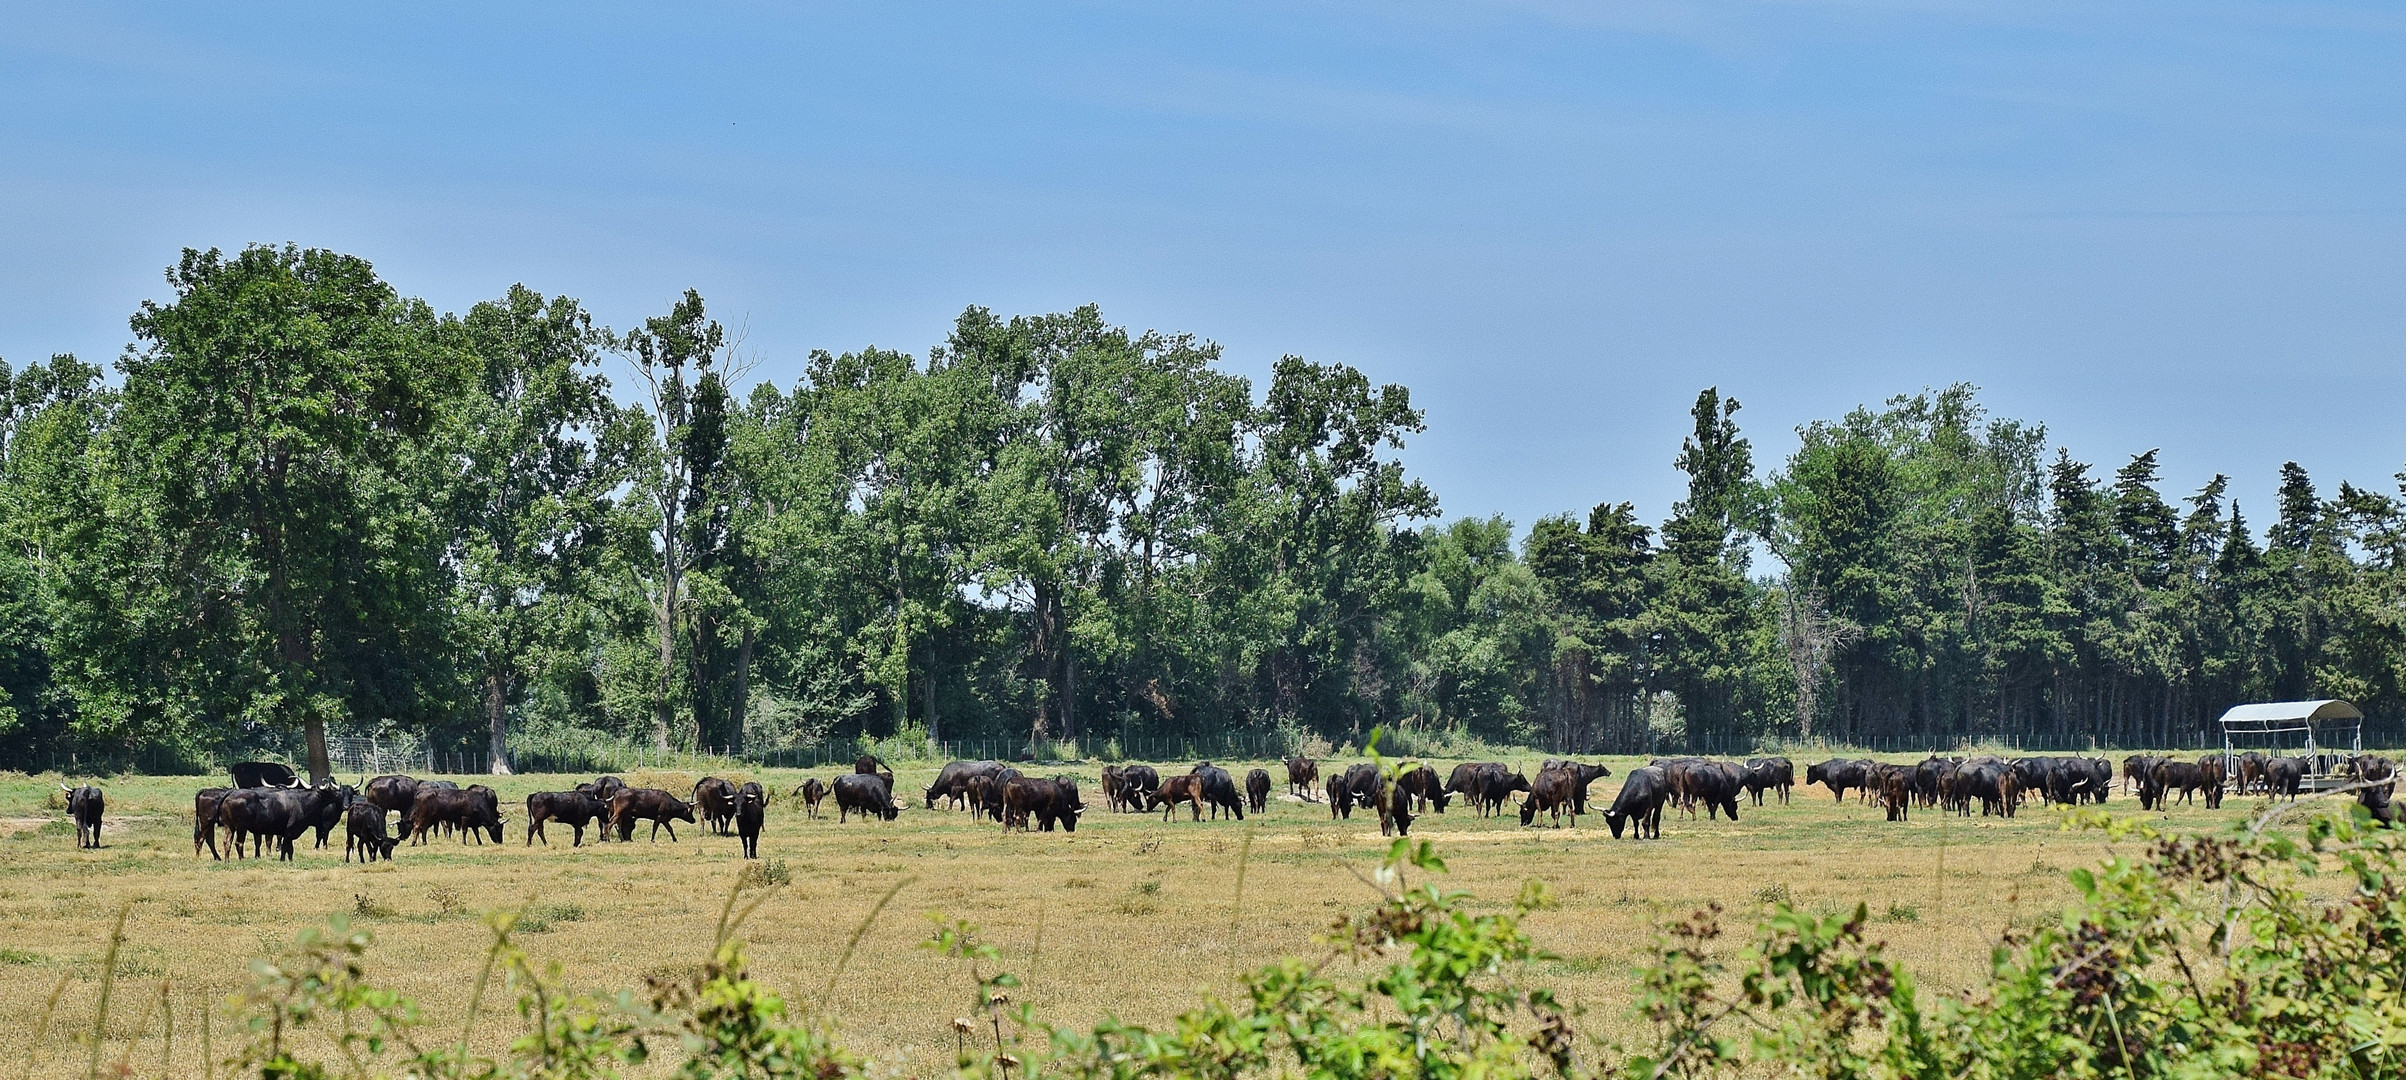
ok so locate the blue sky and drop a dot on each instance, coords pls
(2176, 225)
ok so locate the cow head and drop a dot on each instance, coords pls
(1614, 820)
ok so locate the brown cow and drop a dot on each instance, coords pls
(1394, 809)
(474, 810)
(205, 820)
(812, 791)
(1043, 802)
(1425, 789)
(1302, 773)
(1552, 792)
(715, 798)
(1186, 789)
(1896, 790)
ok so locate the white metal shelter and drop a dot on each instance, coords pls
(2320, 728)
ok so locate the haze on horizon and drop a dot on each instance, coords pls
(2144, 225)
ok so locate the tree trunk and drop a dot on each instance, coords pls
(313, 730)
(497, 713)
(935, 733)
(739, 710)
(664, 710)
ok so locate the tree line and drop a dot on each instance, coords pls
(306, 504)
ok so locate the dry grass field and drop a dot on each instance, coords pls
(1129, 915)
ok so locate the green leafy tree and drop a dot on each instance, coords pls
(540, 452)
(277, 421)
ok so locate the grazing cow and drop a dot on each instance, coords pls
(2284, 776)
(1639, 802)
(1112, 799)
(2167, 777)
(1838, 775)
(205, 820)
(1496, 787)
(474, 810)
(952, 783)
(859, 793)
(1991, 781)
(1554, 791)
(280, 814)
(1178, 789)
(261, 774)
(985, 796)
(604, 789)
(363, 832)
(396, 793)
(2135, 770)
(1219, 791)
(715, 799)
(1581, 777)
(1394, 808)
(84, 806)
(1896, 790)
(1044, 803)
(1136, 786)
(1769, 774)
(1469, 777)
(1715, 784)
(648, 804)
(1302, 773)
(1425, 790)
(1257, 789)
(2211, 775)
(1340, 798)
(575, 809)
(2100, 779)
(813, 791)
(751, 807)
(330, 816)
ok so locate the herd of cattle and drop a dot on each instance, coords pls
(268, 803)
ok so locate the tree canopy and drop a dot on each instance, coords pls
(304, 503)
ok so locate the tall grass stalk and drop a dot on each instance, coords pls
(108, 986)
(125, 1061)
(828, 995)
(476, 1000)
(1236, 910)
(41, 1028)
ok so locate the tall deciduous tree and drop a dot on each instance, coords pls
(676, 357)
(539, 452)
(278, 415)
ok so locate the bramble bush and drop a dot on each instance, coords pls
(2251, 953)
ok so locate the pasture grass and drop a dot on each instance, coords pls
(1129, 915)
